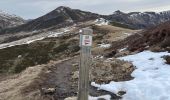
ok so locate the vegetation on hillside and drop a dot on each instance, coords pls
(17, 58)
(120, 25)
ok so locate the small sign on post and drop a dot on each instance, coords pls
(85, 62)
(86, 40)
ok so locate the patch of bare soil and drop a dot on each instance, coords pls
(61, 81)
(111, 70)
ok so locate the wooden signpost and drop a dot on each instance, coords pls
(85, 62)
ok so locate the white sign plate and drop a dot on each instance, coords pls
(86, 40)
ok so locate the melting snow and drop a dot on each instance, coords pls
(55, 34)
(128, 34)
(123, 49)
(30, 41)
(104, 45)
(151, 78)
(105, 97)
(101, 21)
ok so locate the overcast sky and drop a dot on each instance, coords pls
(30, 9)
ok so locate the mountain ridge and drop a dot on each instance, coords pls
(140, 20)
(65, 16)
(59, 17)
(9, 20)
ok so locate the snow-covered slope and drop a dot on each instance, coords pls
(101, 21)
(151, 78)
(7, 20)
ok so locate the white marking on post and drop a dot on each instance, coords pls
(87, 40)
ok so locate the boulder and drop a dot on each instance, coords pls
(167, 58)
(75, 75)
(48, 90)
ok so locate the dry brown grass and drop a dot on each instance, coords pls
(112, 70)
(10, 89)
(111, 34)
(114, 33)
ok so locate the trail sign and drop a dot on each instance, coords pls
(85, 62)
(86, 40)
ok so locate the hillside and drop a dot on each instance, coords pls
(60, 17)
(39, 60)
(158, 36)
(7, 20)
(45, 55)
(139, 20)
(55, 59)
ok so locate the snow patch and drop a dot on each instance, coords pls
(105, 97)
(128, 34)
(103, 45)
(101, 21)
(99, 56)
(30, 41)
(123, 49)
(151, 78)
(55, 34)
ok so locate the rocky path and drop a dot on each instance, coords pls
(60, 78)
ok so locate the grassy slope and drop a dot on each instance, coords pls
(121, 25)
(17, 58)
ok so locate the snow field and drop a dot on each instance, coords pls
(151, 78)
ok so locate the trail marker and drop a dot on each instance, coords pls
(85, 62)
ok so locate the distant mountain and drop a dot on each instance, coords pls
(65, 16)
(139, 20)
(60, 17)
(7, 20)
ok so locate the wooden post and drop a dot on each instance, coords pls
(85, 62)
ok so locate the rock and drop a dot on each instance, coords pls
(111, 70)
(101, 99)
(151, 58)
(71, 98)
(75, 64)
(135, 52)
(167, 58)
(127, 65)
(167, 49)
(48, 90)
(111, 54)
(48, 71)
(156, 49)
(166, 42)
(75, 75)
(19, 56)
(123, 53)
